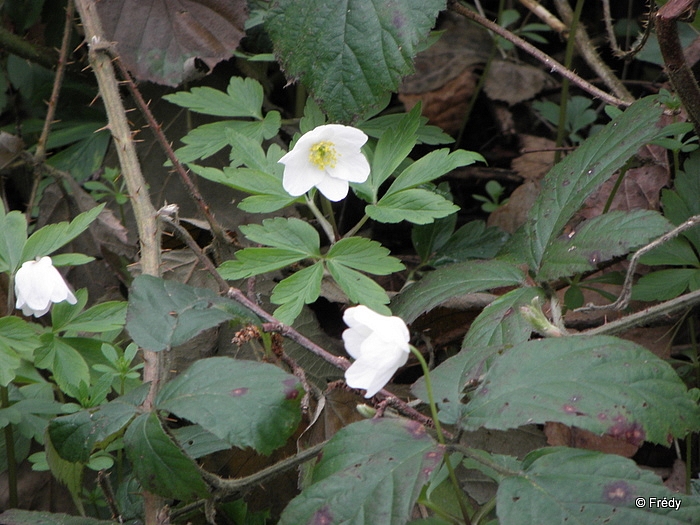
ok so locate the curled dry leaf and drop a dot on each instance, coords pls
(159, 40)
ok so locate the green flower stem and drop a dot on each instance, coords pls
(321, 219)
(328, 210)
(357, 227)
(440, 435)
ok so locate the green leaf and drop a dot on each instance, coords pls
(243, 98)
(102, 317)
(14, 234)
(427, 238)
(500, 323)
(370, 472)
(300, 288)
(432, 166)
(452, 280)
(569, 183)
(364, 255)
(74, 436)
(31, 517)
(415, 205)
(70, 259)
(566, 485)
(676, 252)
(246, 151)
(159, 464)
(665, 284)
(245, 403)
(254, 261)
(431, 135)
(350, 53)
(68, 366)
(197, 442)
(291, 234)
(162, 314)
(359, 288)
(70, 474)
(602, 384)
(598, 240)
(472, 241)
(313, 116)
(53, 236)
(18, 340)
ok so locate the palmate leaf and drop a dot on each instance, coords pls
(566, 485)
(415, 205)
(300, 288)
(452, 280)
(243, 98)
(598, 240)
(569, 183)
(245, 403)
(602, 384)
(365, 255)
(349, 53)
(370, 472)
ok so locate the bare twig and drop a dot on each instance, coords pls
(624, 298)
(548, 61)
(40, 153)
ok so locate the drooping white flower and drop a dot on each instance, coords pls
(327, 157)
(37, 285)
(379, 345)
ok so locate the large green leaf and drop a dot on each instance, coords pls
(370, 472)
(162, 314)
(602, 384)
(291, 234)
(349, 53)
(159, 463)
(245, 403)
(365, 255)
(453, 280)
(254, 261)
(565, 485)
(598, 240)
(569, 183)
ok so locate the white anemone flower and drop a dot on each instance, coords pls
(327, 157)
(37, 285)
(379, 345)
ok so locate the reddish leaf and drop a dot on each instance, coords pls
(158, 40)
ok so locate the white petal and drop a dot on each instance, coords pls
(352, 168)
(345, 138)
(334, 189)
(353, 339)
(37, 285)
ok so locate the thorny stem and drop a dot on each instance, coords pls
(441, 437)
(548, 61)
(216, 229)
(40, 153)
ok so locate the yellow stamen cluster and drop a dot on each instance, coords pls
(323, 155)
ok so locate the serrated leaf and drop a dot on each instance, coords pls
(52, 236)
(472, 241)
(162, 314)
(300, 288)
(432, 166)
(359, 288)
(197, 442)
(159, 464)
(370, 472)
(500, 323)
(365, 255)
(243, 98)
(68, 366)
(70, 474)
(102, 317)
(427, 238)
(74, 436)
(665, 284)
(350, 53)
(452, 280)
(569, 183)
(676, 252)
(245, 403)
(598, 240)
(431, 135)
(254, 261)
(313, 116)
(565, 485)
(602, 384)
(291, 234)
(415, 205)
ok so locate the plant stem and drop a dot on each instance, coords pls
(10, 452)
(357, 227)
(440, 436)
(327, 228)
(327, 208)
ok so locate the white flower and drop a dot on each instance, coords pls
(37, 285)
(378, 343)
(327, 157)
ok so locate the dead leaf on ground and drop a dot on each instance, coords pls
(10, 148)
(559, 435)
(513, 213)
(159, 40)
(513, 82)
(536, 159)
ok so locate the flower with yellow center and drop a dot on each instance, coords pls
(327, 157)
